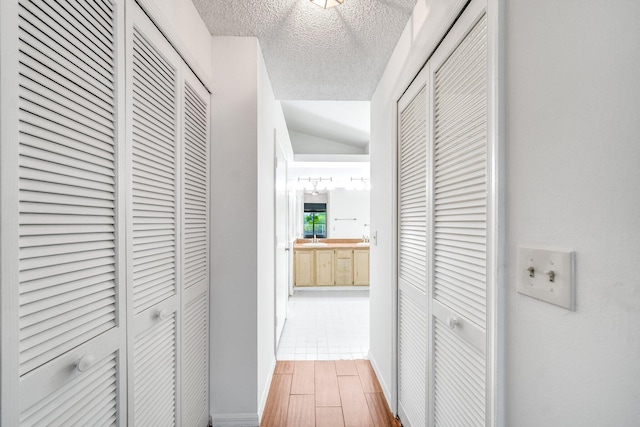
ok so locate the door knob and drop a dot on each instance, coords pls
(85, 362)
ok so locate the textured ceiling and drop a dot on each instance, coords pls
(312, 53)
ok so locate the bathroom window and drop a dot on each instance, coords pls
(315, 220)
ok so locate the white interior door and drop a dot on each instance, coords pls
(445, 225)
(282, 242)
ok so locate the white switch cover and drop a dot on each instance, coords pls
(547, 275)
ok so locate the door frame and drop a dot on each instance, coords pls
(279, 152)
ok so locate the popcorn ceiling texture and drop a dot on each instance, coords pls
(312, 53)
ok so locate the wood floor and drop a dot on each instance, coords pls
(326, 394)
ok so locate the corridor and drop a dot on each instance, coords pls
(326, 394)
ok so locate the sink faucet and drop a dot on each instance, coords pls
(315, 239)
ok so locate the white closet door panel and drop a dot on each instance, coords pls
(195, 253)
(412, 254)
(67, 186)
(195, 189)
(154, 250)
(460, 199)
(460, 222)
(154, 367)
(154, 123)
(195, 353)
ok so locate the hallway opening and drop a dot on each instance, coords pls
(326, 325)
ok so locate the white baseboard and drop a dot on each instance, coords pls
(385, 388)
(235, 420)
(265, 392)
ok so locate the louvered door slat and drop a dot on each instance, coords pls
(154, 173)
(155, 375)
(459, 381)
(412, 190)
(70, 98)
(195, 188)
(38, 34)
(67, 177)
(62, 81)
(412, 354)
(194, 366)
(57, 67)
(90, 22)
(75, 39)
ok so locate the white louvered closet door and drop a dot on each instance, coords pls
(445, 225)
(195, 253)
(459, 221)
(412, 253)
(69, 323)
(153, 94)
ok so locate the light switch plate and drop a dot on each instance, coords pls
(547, 275)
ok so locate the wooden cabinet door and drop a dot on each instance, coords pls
(361, 267)
(324, 268)
(344, 267)
(304, 268)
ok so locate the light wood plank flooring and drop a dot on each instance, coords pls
(326, 393)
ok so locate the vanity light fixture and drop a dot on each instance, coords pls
(314, 182)
(326, 4)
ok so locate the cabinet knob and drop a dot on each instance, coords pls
(85, 362)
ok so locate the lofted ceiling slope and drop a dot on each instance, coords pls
(312, 53)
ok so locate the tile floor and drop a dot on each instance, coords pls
(326, 325)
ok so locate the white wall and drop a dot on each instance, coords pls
(348, 204)
(234, 226)
(423, 31)
(245, 115)
(573, 177)
(308, 144)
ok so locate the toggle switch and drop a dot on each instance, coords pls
(551, 275)
(556, 285)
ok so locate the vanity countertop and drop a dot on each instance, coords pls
(308, 244)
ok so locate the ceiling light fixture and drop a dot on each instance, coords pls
(326, 4)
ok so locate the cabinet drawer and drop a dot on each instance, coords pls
(343, 253)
